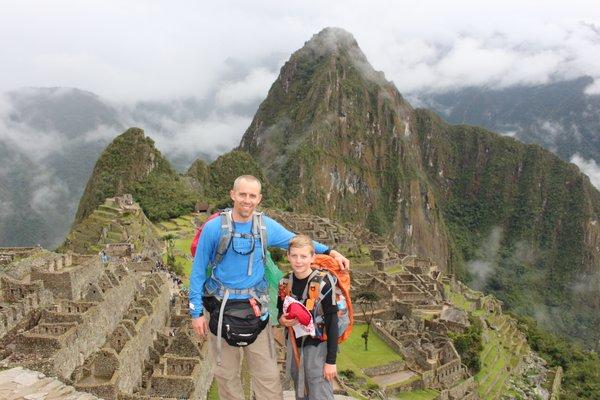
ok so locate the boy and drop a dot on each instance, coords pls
(317, 366)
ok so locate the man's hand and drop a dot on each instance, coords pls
(200, 326)
(287, 322)
(343, 261)
(329, 371)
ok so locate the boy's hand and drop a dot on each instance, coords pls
(343, 261)
(329, 372)
(287, 322)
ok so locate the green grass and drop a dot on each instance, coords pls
(426, 394)
(213, 391)
(184, 243)
(494, 359)
(458, 299)
(353, 355)
(395, 269)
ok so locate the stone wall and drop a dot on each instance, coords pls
(318, 228)
(136, 350)
(65, 280)
(465, 390)
(97, 322)
(387, 337)
(390, 368)
(20, 305)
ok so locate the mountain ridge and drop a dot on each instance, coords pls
(342, 145)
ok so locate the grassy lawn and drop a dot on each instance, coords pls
(395, 269)
(458, 299)
(427, 394)
(183, 244)
(353, 355)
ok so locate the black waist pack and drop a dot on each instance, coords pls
(240, 327)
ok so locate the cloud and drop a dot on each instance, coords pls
(160, 51)
(249, 90)
(588, 167)
(214, 135)
(49, 194)
(486, 263)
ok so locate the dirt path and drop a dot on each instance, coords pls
(390, 379)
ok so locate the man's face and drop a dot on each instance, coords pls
(301, 258)
(246, 196)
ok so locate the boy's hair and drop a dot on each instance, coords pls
(301, 241)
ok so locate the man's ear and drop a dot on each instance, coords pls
(259, 198)
(231, 193)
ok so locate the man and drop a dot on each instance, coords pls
(239, 272)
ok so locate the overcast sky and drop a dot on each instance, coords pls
(133, 50)
(225, 55)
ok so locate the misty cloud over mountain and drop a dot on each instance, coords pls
(50, 139)
(560, 116)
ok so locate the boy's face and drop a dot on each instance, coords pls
(301, 258)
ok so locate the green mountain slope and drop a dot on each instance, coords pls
(340, 141)
(113, 223)
(335, 136)
(131, 164)
(559, 116)
(541, 212)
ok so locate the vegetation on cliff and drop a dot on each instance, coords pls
(581, 378)
(131, 164)
(214, 181)
(510, 218)
(517, 216)
(334, 136)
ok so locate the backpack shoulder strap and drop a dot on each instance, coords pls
(290, 284)
(313, 288)
(259, 223)
(225, 238)
(333, 282)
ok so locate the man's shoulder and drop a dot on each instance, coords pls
(213, 226)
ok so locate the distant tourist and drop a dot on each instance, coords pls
(237, 286)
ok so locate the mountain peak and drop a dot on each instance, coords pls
(333, 39)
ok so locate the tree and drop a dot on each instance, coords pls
(171, 261)
(366, 301)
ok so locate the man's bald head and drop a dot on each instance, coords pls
(246, 178)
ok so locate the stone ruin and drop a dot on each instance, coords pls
(119, 250)
(11, 254)
(318, 228)
(419, 288)
(117, 329)
(125, 203)
(385, 258)
(414, 318)
(429, 352)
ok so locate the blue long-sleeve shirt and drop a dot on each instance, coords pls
(232, 271)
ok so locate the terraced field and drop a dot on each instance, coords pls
(503, 347)
(182, 228)
(502, 350)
